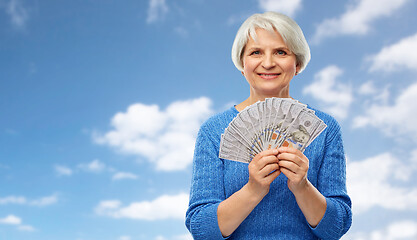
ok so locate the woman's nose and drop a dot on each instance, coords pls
(268, 62)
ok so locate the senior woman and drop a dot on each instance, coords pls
(283, 193)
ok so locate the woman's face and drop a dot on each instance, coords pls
(268, 65)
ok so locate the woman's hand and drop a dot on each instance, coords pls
(263, 169)
(293, 164)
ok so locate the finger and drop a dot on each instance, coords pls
(262, 162)
(287, 172)
(271, 177)
(265, 153)
(288, 150)
(300, 160)
(291, 166)
(268, 169)
(288, 157)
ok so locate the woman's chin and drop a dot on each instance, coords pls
(281, 93)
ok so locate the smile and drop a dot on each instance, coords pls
(268, 75)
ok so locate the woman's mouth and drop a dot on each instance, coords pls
(268, 75)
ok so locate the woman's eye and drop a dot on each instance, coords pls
(255, 53)
(281, 52)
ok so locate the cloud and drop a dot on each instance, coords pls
(397, 57)
(165, 138)
(12, 200)
(335, 96)
(11, 219)
(26, 228)
(357, 19)
(404, 229)
(184, 237)
(371, 183)
(63, 170)
(94, 166)
(373, 93)
(367, 88)
(18, 13)
(124, 238)
(163, 207)
(157, 10)
(396, 120)
(177, 237)
(124, 175)
(44, 201)
(40, 202)
(283, 6)
(14, 220)
(181, 31)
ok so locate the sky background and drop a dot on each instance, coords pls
(100, 103)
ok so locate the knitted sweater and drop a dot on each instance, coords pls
(277, 216)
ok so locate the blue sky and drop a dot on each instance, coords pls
(100, 103)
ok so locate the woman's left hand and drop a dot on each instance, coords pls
(293, 164)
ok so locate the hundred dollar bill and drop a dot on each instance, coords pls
(300, 131)
(245, 127)
(280, 121)
(269, 124)
(230, 151)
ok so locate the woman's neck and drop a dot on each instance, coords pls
(253, 98)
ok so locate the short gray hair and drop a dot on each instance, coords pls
(288, 29)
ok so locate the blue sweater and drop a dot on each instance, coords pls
(277, 216)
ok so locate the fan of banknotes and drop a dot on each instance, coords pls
(269, 124)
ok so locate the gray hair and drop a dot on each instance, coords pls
(288, 29)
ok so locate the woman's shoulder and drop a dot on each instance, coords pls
(220, 119)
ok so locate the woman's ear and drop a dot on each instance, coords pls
(297, 68)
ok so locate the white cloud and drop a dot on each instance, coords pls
(94, 166)
(12, 200)
(166, 138)
(335, 96)
(157, 10)
(186, 236)
(63, 170)
(18, 13)
(373, 93)
(44, 201)
(404, 229)
(357, 19)
(370, 183)
(183, 32)
(40, 202)
(163, 207)
(124, 238)
(178, 237)
(397, 57)
(238, 19)
(397, 119)
(26, 228)
(283, 6)
(11, 219)
(14, 220)
(124, 175)
(367, 88)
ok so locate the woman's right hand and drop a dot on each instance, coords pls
(263, 169)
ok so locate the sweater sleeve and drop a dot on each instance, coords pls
(207, 189)
(332, 184)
